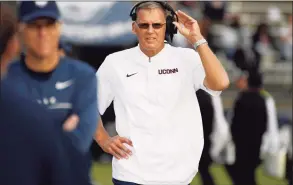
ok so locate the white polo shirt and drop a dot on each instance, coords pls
(157, 109)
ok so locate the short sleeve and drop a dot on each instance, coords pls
(199, 75)
(105, 91)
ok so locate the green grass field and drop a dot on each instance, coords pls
(102, 175)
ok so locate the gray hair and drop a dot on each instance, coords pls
(151, 5)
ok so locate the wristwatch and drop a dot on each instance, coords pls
(198, 43)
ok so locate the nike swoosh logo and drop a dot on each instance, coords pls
(130, 75)
(63, 85)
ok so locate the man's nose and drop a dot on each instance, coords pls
(42, 30)
(150, 28)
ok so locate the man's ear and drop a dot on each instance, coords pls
(59, 26)
(133, 28)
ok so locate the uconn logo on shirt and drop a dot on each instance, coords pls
(167, 71)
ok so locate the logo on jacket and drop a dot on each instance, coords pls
(63, 85)
(52, 103)
(167, 71)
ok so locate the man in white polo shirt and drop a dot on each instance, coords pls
(153, 85)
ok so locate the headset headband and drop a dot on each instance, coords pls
(171, 28)
(164, 4)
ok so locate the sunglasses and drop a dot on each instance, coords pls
(146, 25)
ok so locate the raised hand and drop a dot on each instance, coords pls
(188, 27)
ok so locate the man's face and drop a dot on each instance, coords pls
(150, 28)
(241, 83)
(41, 37)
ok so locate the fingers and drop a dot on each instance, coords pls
(183, 17)
(181, 29)
(119, 152)
(116, 147)
(71, 123)
(114, 154)
(125, 140)
(124, 149)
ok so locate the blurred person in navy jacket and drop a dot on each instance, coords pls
(254, 117)
(65, 86)
(262, 43)
(31, 151)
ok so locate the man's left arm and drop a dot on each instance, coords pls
(216, 77)
(85, 106)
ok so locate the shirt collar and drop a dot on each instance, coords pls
(143, 56)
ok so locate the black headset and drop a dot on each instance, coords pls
(171, 29)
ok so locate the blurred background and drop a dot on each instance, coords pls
(241, 34)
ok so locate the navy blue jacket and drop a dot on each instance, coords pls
(70, 88)
(30, 149)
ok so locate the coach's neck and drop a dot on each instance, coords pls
(42, 64)
(152, 52)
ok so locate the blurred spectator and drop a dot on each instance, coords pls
(286, 39)
(32, 151)
(240, 51)
(240, 59)
(235, 28)
(262, 43)
(254, 115)
(241, 83)
(215, 10)
(236, 44)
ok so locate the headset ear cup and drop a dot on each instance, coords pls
(171, 28)
(169, 25)
(133, 16)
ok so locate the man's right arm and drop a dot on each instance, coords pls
(112, 145)
(101, 134)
